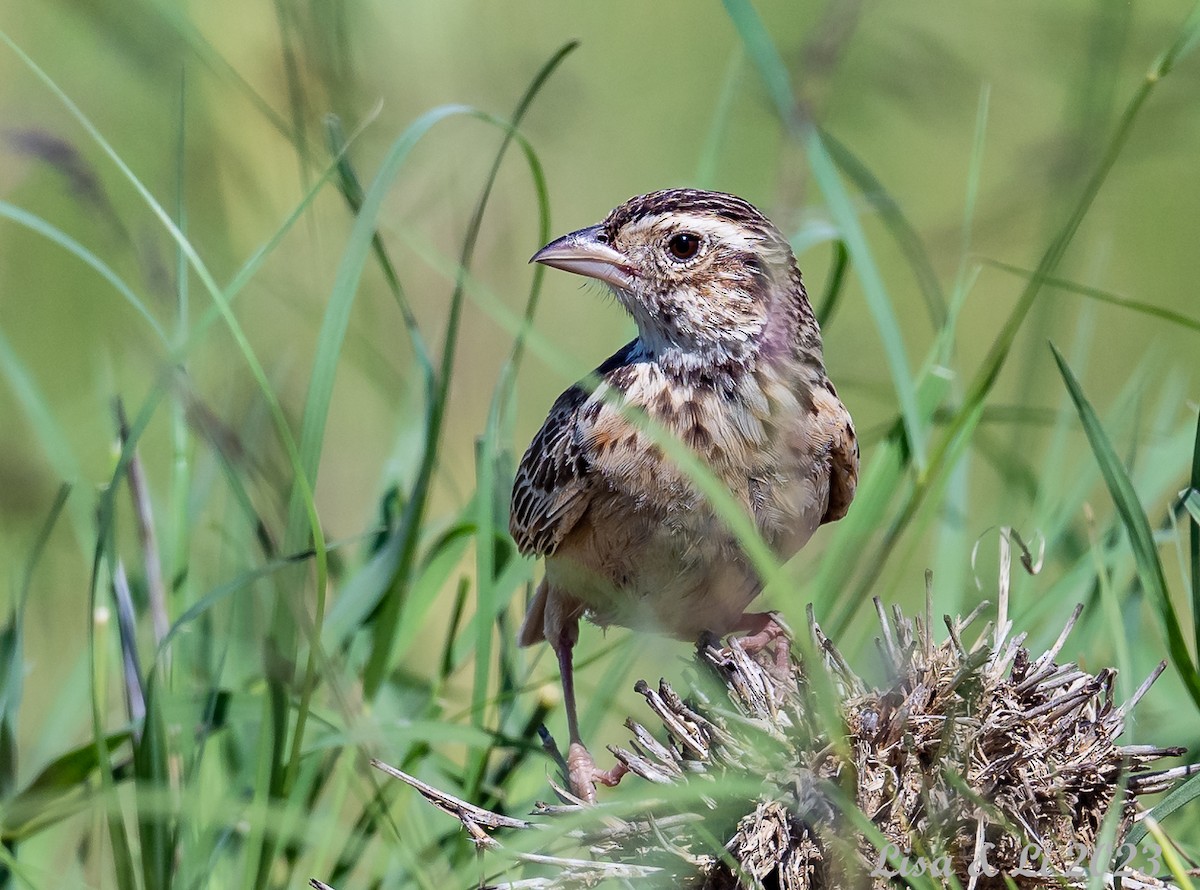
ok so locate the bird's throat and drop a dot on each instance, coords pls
(713, 364)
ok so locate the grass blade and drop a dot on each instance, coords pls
(156, 822)
(385, 627)
(312, 429)
(710, 152)
(73, 247)
(902, 230)
(53, 794)
(341, 300)
(51, 436)
(1137, 527)
(833, 284)
(1179, 796)
(1191, 501)
(766, 57)
(1103, 296)
(962, 425)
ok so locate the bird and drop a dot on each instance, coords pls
(727, 359)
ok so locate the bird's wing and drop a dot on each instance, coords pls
(553, 483)
(557, 476)
(843, 450)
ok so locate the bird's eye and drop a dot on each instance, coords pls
(684, 246)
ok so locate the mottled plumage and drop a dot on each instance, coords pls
(728, 359)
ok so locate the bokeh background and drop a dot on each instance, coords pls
(979, 123)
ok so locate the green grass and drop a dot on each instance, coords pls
(233, 750)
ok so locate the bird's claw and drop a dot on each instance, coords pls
(583, 774)
(767, 633)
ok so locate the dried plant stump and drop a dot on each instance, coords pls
(972, 762)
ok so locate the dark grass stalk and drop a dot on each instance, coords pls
(143, 513)
(486, 604)
(131, 664)
(180, 474)
(232, 469)
(446, 664)
(104, 556)
(156, 830)
(157, 826)
(297, 101)
(516, 757)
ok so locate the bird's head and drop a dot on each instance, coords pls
(702, 273)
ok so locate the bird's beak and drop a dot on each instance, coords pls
(587, 252)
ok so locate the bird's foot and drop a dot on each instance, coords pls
(583, 774)
(765, 632)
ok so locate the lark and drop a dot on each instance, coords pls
(728, 359)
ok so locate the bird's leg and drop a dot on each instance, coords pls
(761, 631)
(582, 772)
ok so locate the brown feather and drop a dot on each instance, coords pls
(555, 479)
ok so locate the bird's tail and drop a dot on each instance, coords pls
(533, 629)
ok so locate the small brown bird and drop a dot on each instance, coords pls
(728, 358)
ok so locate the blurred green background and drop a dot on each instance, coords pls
(221, 111)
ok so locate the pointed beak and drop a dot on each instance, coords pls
(587, 252)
